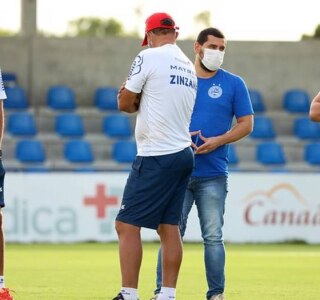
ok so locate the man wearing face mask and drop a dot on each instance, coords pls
(221, 96)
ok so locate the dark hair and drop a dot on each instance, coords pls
(203, 35)
(162, 31)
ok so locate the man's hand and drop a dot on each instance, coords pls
(194, 144)
(137, 101)
(128, 101)
(209, 144)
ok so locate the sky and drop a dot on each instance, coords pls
(250, 20)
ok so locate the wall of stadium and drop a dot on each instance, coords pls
(64, 207)
(86, 63)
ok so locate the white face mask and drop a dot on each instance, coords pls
(212, 59)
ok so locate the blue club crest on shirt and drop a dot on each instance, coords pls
(215, 92)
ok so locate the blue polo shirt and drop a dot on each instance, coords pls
(219, 99)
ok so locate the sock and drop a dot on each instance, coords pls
(129, 293)
(1, 282)
(167, 293)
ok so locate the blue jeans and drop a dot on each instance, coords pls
(209, 195)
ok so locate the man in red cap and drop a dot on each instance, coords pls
(159, 20)
(161, 88)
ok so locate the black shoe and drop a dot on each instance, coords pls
(119, 297)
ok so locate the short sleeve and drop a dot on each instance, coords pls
(137, 75)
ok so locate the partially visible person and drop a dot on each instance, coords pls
(161, 88)
(221, 97)
(4, 292)
(315, 109)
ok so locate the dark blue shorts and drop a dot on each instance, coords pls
(2, 173)
(155, 189)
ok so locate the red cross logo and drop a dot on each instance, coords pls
(101, 201)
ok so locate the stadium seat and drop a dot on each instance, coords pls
(257, 101)
(78, 151)
(304, 128)
(69, 125)
(312, 153)
(16, 98)
(263, 128)
(233, 156)
(61, 97)
(117, 125)
(124, 151)
(30, 151)
(9, 79)
(296, 101)
(105, 98)
(271, 153)
(22, 124)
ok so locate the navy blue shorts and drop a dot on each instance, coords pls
(155, 189)
(2, 173)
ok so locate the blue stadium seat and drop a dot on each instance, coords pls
(304, 128)
(117, 125)
(30, 151)
(61, 97)
(312, 153)
(77, 151)
(270, 153)
(16, 98)
(233, 156)
(22, 124)
(124, 151)
(257, 101)
(296, 101)
(9, 79)
(69, 125)
(105, 98)
(263, 128)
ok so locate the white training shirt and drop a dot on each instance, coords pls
(2, 91)
(168, 83)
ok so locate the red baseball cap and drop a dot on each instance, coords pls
(158, 20)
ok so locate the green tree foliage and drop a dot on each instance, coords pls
(203, 18)
(5, 32)
(200, 21)
(94, 27)
(315, 36)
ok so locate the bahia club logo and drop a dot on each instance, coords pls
(215, 91)
(274, 208)
(62, 220)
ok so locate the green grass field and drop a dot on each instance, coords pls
(91, 271)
